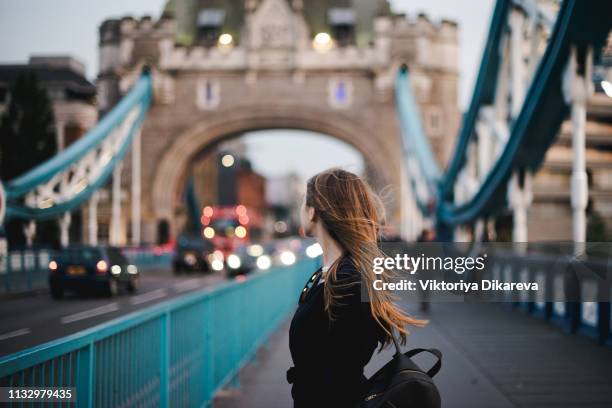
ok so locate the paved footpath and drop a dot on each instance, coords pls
(493, 358)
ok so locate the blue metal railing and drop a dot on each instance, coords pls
(24, 271)
(177, 353)
(576, 311)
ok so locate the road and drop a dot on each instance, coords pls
(36, 319)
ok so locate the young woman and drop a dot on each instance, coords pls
(333, 333)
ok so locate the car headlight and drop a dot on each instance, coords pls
(287, 258)
(314, 250)
(255, 250)
(233, 261)
(217, 264)
(115, 269)
(264, 262)
(132, 270)
(190, 259)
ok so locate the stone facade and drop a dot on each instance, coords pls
(276, 78)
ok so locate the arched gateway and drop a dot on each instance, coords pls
(221, 68)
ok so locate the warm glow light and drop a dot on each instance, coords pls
(255, 250)
(243, 219)
(208, 211)
(607, 87)
(227, 160)
(322, 42)
(241, 210)
(209, 232)
(233, 261)
(287, 258)
(280, 226)
(53, 265)
(217, 265)
(240, 231)
(314, 250)
(264, 262)
(226, 39)
(102, 266)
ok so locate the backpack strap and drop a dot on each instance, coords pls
(435, 352)
(398, 351)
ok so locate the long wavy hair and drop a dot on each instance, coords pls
(352, 215)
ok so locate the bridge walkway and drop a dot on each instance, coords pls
(493, 357)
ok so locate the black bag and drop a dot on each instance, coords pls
(402, 384)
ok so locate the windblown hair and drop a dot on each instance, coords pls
(352, 214)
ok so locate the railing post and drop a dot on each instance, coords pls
(29, 230)
(577, 87)
(164, 358)
(84, 376)
(517, 61)
(520, 197)
(92, 215)
(64, 229)
(136, 187)
(209, 357)
(116, 206)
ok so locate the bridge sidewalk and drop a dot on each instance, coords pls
(493, 357)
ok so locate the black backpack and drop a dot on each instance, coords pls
(402, 384)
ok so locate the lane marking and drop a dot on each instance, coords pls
(86, 314)
(15, 333)
(188, 285)
(149, 296)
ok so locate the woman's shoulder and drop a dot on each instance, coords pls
(347, 271)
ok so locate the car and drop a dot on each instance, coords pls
(86, 268)
(244, 259)
(192, 255)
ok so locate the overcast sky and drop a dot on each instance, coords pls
(71, 27)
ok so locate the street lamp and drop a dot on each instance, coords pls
(227, 160)
(225, 40)
(322, 42)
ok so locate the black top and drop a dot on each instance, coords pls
(329, 356)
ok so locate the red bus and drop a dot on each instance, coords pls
(230, 227)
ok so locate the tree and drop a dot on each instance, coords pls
(27, 138)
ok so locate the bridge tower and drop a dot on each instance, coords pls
(221, 68)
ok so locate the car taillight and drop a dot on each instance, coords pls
(53, 266)
(101, 267)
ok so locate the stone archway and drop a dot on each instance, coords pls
(380, 153)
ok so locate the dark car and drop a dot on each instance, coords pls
(86, 268)
(191, 254)
(243, 260)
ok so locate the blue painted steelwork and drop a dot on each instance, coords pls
(543, 111)
(178, 353)
(484, 93)
(140, 95)
(414, 140)
(538, 122)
